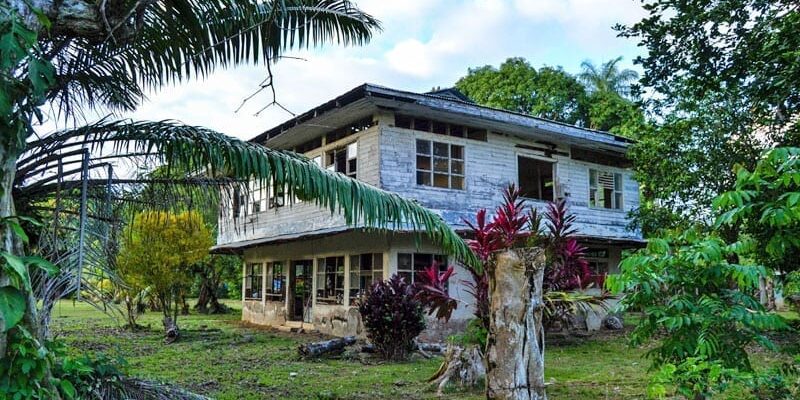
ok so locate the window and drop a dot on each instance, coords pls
(440, 164)
(252, 281)
(598, 265)
(258, 196)
(535, 178)
(343, 160)
(440, 127)
(276, 281)
(277, 198)
(239, 203)
(409, 264)
(364, 270)
(330, 280)
(605, 189)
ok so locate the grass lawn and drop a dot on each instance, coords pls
(220, 357)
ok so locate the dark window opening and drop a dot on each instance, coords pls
(535, 178)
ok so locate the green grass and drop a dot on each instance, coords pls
(220, 357)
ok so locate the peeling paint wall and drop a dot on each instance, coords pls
(489, 167)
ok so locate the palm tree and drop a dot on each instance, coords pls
(105, 58)
(608, 77)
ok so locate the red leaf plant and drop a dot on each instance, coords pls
(431, 291)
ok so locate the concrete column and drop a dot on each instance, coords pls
(263, 284)
(244, 279)
(346, 300)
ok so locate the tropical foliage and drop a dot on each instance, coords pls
(159, 250)
(722, 95)
(597, 98)
(698, 304)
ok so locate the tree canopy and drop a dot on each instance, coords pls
(724, 80)
(598, 98)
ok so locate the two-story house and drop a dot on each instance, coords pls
(304, 265)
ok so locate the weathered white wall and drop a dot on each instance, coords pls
(489, 167)
(304, 217)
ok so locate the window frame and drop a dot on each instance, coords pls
(269, 291)
(440, 259)
(350, 151)
(617, 204)
(553, 168)
(250, 283)
(432, 157)
(357, 271)
(321, 277)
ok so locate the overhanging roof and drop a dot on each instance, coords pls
(367, 98)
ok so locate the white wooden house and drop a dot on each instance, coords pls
(303, 264)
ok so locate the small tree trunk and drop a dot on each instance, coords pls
(515, 347)
(170, 321)
(132, 310)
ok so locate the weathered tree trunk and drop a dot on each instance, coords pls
(462, 366)
(9, 153)
(515, 346)
(90, 19)
(316, 349)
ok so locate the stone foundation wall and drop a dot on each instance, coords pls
(270, 313)
(338, 320)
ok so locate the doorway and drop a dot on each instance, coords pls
(300, 290)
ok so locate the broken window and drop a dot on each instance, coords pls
(276, 281)
(410, 264)
(535, 178)
(252, 281)
(239, 203)
(440, 164)
(605, 189)
(330, 280)
(343, 160)
(364, 270)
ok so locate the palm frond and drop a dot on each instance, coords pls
(227, 161)
(185, 39)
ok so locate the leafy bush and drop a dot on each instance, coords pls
(474, 334)
(697, 302)
(392, 316)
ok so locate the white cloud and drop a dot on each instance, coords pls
(424, 43)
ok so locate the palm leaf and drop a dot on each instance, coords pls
(183, 39)
(227, 162)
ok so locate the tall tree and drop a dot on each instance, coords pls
(517, 86)
(608, 77)
(725, 75)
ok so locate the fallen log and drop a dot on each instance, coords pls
(316, 349)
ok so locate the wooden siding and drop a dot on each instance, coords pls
(386, 158)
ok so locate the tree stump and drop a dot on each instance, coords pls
(462, 366)
(515, 347)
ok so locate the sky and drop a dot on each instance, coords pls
(423, 44)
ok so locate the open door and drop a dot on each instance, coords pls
(300, 290)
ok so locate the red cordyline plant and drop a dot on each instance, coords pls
(567, 268)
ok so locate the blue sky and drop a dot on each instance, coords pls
(424, 43)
